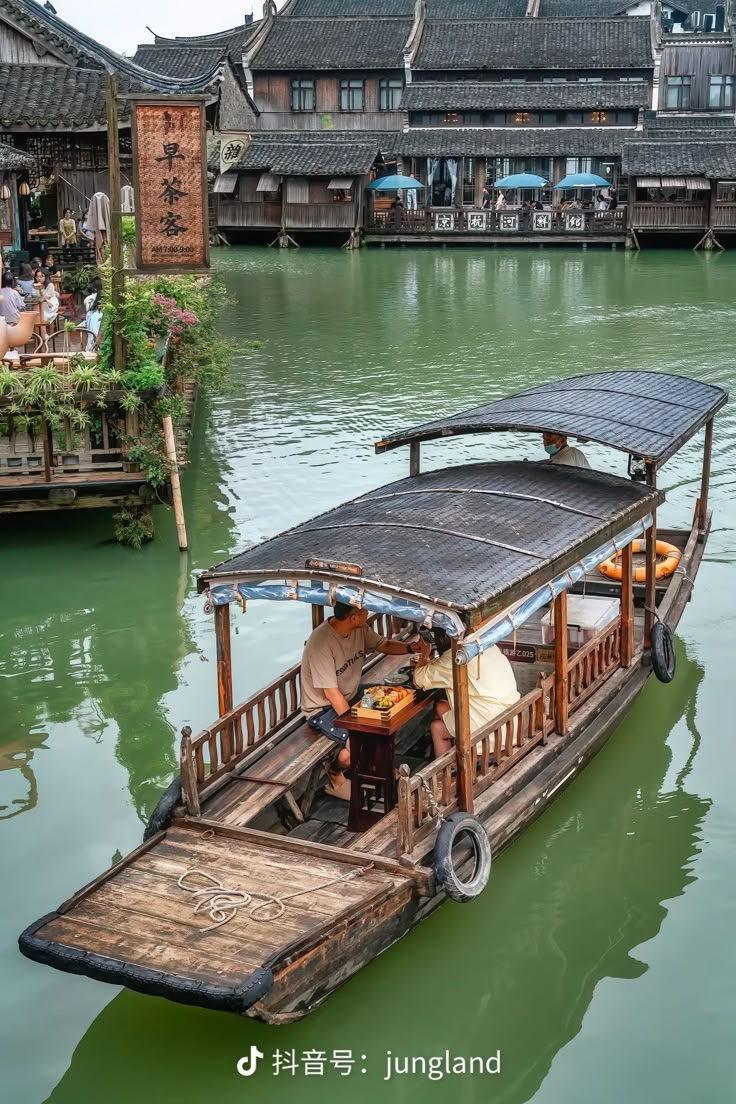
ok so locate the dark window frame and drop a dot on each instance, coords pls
(724, 84)
(390, 91)
(682, 86)
(301, 88)
(352, 90)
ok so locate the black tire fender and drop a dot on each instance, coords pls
(161, 816)
(455, 825)
(663, 652)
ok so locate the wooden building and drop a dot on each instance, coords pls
(53, 82)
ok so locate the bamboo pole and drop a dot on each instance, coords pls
(561, 664)
(181, 528)
(116, 227)
(224, 675)
(462, 733)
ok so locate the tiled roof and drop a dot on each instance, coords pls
(334, 44)
(178, 61)
(716, 160)
(13, 160)
(536, 44)
(53, 96)
(581, 9)
(43, 24)
(657, 124)
(510, 142)
(300, 156)
(446, 96)
(441, 9)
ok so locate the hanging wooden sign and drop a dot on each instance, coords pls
(170, 177)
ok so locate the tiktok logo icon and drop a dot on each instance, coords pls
(247, 1066)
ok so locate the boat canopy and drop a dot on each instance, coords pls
(449, 547)
(647, 414)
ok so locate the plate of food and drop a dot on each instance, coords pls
(381, 703)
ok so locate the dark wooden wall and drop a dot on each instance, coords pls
(699, 62)
(272, 94)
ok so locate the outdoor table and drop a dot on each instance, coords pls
(372, 772)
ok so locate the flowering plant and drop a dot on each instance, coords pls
(168, 318)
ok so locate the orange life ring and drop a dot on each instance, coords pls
(668, 557)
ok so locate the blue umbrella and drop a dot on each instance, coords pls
(394, 183)
(521, 180)
(583, 180)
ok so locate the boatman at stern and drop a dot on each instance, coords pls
(559, 452)
(330, 677)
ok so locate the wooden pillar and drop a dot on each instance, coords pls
(318, 616)
(705, 481)
(117, 281)
(414, 458)
(627, 606)
(170, 440)
(48, 451)
(650, 583)
(224, 674)
(463, 748)
(561, 679)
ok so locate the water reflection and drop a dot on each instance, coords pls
(569, 905)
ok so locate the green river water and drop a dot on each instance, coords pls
(600, 961)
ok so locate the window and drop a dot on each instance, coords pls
(578, 165)
(709, 22)
(720, 93)
(678, 92)
(521, 117)
(389, 94)
(351, 95)
(598, 117)
(590, 80)
(451, 119)
(302, 95)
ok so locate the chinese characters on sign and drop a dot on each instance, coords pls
(541, 220)
(476, 220)
(232, 149)
(444, 221)
(170, 185)
(574, 222)
(508, 222)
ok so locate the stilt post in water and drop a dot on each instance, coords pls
(170, 440)
(561, 678)
(414, 458)
(462, 734)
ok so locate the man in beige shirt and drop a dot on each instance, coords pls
(332, 665)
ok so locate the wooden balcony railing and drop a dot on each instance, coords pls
(724, 216)
(219, 748)
(669, 216)
(507, 738)
(451, 220)
(592, 664)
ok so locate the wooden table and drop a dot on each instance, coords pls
(372, 774)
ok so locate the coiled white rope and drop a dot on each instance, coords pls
(222, 903)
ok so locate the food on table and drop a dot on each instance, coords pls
(383, 697)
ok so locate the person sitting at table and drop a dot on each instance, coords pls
(51, 264)
(492, 689)
(332, 665)
(45, 293)
(12, 303)
(25, 280)
(559, 452)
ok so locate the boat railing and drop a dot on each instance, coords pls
(593, 664)
(218, 749)
(495, 748)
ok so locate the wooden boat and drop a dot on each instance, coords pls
(251, 892)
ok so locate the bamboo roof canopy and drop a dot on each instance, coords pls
(648, 414)
(469, 538)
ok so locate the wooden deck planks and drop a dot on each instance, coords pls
(241, 801)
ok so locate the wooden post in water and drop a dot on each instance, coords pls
(705, 481)
(48, 451)
(224, 674)
(465, 771)
(170, 440)
(414, 458)
(627, 605)
(116, 226)
(561, 674)
(650, 583)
